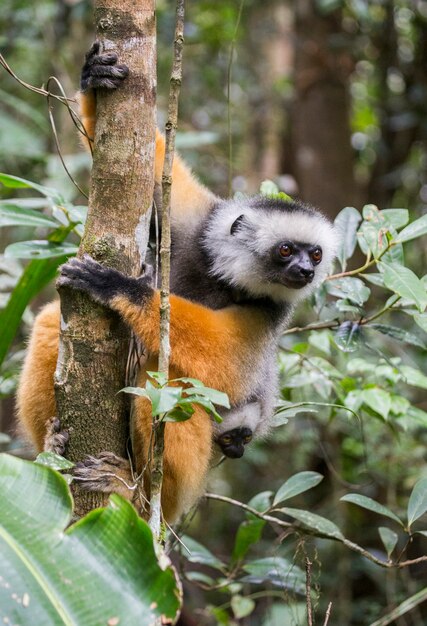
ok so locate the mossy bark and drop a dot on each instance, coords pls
(94, 342)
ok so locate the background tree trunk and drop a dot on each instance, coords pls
(320, 118)
(94, 342)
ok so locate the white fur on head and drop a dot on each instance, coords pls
(237, 258)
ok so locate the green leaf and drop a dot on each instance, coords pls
(322, 526)
(303, 481)
(241, 606)
(417, 504)
(414, 230)
(389, 539)
(397, 218)
(215, 396)
(249, 532)
(36, 275)
(349, 287)
(398, 333)
(100, 569)
(347, 336)
(346, 223)
(268, 188)
(413, 377)
(39, 249)
(374, 278)
(371, 505)
(378, 400)
(421, 320)
(196, 553)
(405, 283)
(14, 182)
(12, 215)
(204, 403)
(276, 570)
(55, 461)
(261, 502)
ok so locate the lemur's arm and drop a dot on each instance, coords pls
(101, 71)
(219, 347)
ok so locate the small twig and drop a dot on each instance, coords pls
(328, 614)
(165, 245)
(308, 565)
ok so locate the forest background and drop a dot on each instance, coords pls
(328, 100)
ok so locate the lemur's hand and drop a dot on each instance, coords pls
(104, 284)
(100, 70)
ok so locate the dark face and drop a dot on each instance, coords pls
(233, 442)
(294, 263)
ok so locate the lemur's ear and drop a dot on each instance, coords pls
(237, 224)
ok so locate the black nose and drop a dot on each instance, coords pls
(307, 272)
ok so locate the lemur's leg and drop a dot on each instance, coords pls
(215, 346)
(101, 71)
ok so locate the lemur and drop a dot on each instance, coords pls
(238, 269)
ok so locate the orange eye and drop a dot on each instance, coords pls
(285, 250)
(226, 439)
(316, 255)
(248, 438)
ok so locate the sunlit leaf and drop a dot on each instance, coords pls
(421, 320)
(40, 249)
(11, 215)
(405, 283)
(349, 287)
(55, 461)
(396, 217)
(414, 230)
(378, 400)
(413, 376)
(14, 182)
(371, 505)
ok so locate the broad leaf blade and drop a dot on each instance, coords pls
(319, 524)
(414, 230)
(101, 569)
(39, 249)
(303, 481)
(417, 504)
(12, 215)
(389, 539)
(371, 505)
(405, 283)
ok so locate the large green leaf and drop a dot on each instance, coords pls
(40, 249)
(13, 215)
(405, 283)
(414, 230)
(102, 570)
(398, 333)
(14, 182)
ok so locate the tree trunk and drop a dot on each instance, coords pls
(321, 132)
(94, 342)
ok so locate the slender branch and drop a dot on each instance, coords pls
(349, 544)
(165, 245)
(308, 565)
(402, 609)
(328, 614)
(229, 68)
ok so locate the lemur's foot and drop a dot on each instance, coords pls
(102, 283)
(107, 473)
(101, 71)
(56, 439)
